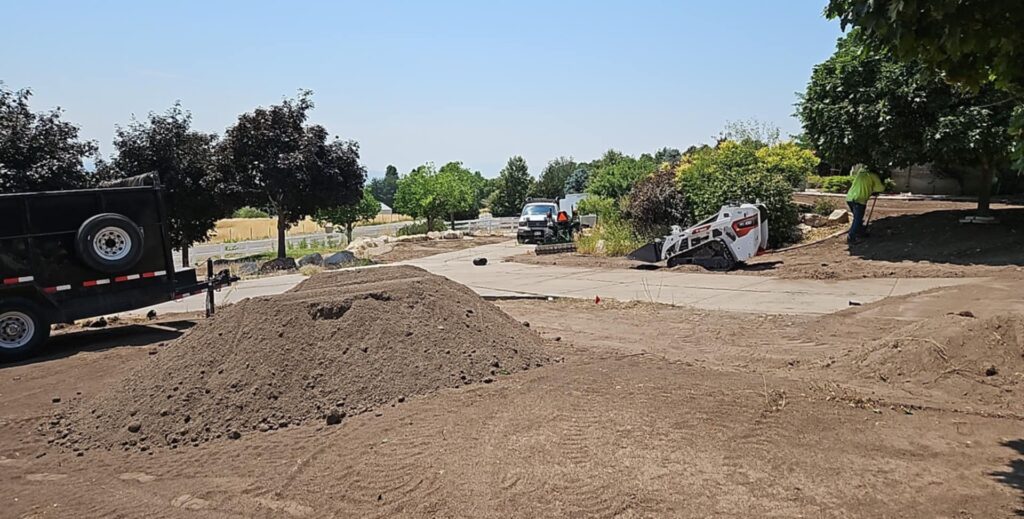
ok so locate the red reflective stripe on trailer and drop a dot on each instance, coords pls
(50, 290)
(149, 274)
(14, 281)
(119, 279)
(95, 282)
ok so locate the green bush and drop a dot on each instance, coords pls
(604, 207)
(730, 173)
(421, 228)
(824, 206)
(814, 182)
(837, 184)
(617, 235)
(250, 212)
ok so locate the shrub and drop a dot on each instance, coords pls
(617, 236)
(250, 212)
(837, 184)
(814, 181)
(655, 204)
(794, 163)
(824, 206)
(421, 228)
(604, 207)
(730, 173)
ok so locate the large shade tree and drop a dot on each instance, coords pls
(274, 159)
(551, 183)
(514, 183)
(383, 189)
(973, 43)
(863, 105)
(184, 159)
(431, 194)
(38, 151)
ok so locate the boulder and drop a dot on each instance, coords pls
(311, 259)
(339, 259)
(813, 220)
(451, 235)
(433, 235)
(839, 217)
(411, 238)
(804, 228)
(248, 268)
(277, 265)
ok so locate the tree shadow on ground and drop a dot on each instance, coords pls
(1013, 476)
(938, 237)
(63, 345)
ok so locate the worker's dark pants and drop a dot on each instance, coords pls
(857, 221)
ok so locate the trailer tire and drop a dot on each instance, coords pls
(24, 328)
(109, 243)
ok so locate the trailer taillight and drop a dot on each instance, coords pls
(744, 226)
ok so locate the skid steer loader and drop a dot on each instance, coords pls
(735, 234)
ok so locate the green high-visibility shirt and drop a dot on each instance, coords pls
(864, 185)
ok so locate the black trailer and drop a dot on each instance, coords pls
(68, 255)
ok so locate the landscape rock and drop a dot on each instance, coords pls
(277, 265)
(339, 259)
(813, 220)
(451, 235)
(434, 235)
(248, 268)
(839, 217)
(411, 238)
(311, 259)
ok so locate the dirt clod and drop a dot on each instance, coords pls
(134, 427)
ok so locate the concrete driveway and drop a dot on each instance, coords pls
(755, 294)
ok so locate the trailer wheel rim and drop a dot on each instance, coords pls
(16, 330)
(112, 243)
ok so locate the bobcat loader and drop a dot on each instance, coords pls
(737, 233)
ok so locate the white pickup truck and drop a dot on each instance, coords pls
(533, 220)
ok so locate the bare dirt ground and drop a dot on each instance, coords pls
(404, 251)
(656, 411)
(908, 239)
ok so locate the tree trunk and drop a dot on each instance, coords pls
(985, 190)
(184, 253)
(348, 231)
(282, 226)
(430, 223)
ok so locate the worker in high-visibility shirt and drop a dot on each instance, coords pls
(865, 185)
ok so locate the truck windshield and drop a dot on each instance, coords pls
(540, 209)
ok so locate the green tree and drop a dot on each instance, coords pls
(578, 180)
(185, 161)
(973, 43)
(273, 158)
(431, 194)
(514, 183)
(670, 156)
(383, 189)
(38, 151)
(347, 216)
(615, 174)
(551, 183)
(465, 196)
(863, 105)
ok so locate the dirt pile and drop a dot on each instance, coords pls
(979, 362)
(338, 344)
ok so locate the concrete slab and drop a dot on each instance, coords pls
(755, 294)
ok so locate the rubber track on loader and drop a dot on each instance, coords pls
(555, 248)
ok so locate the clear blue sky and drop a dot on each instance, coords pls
(416, 81)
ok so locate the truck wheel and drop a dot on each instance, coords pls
(23, 328)
(109, 243)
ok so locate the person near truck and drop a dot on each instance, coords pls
(865, 185)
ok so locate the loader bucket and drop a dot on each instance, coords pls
(650, 253)
(555, 248)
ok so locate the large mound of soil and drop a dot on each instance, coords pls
(338, 344)
(977, 361)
